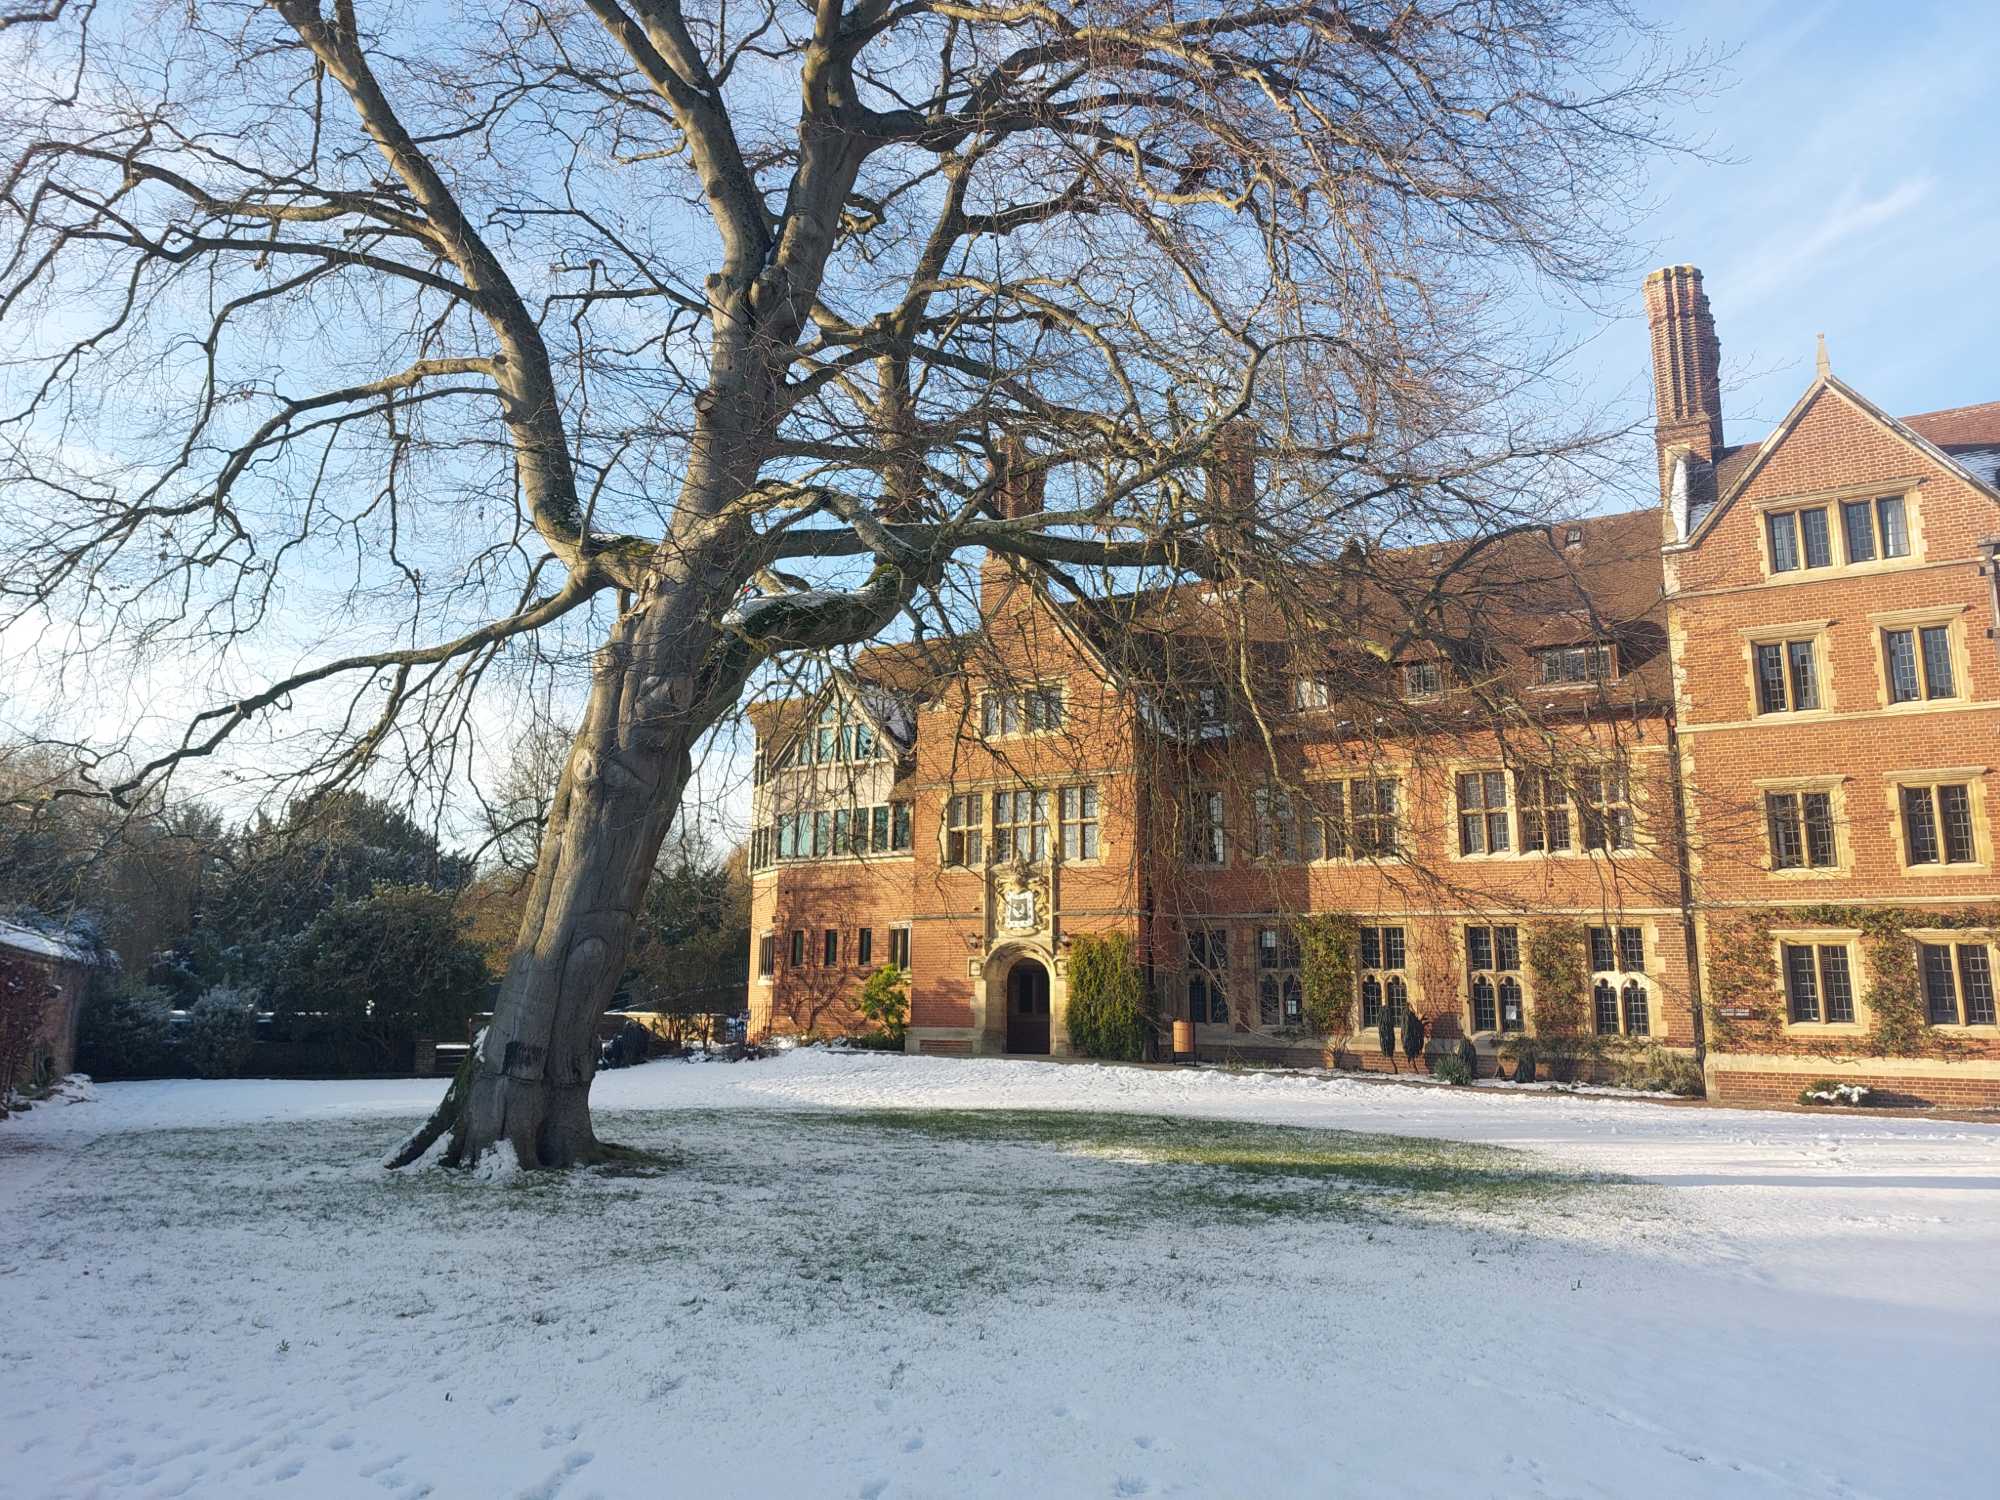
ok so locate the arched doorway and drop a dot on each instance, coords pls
(1028, 1007)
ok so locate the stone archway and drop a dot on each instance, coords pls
(1027, 995)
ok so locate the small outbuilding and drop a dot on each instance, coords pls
(64, 965)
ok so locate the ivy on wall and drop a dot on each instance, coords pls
(1107, 998)
(1558, 961)
(1327, 945)
(1746, 997)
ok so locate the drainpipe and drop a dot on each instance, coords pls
(1684, 869)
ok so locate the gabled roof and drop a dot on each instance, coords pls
(1733, 471)
(877, 703)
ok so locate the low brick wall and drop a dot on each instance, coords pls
(1752, 1088)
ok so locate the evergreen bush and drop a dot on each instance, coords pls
(1657, 1070)
(125, 1031)
(1451, 1067)
(884, 1002)
(1413, 1038)
(220, 1033)
(1106, 1016)
(1385, 1036)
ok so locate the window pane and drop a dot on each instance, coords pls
(1485, 1009)
(1371, 947)
(1781, 812)
(1267, 1000)
(1371, 1001)
(1836, 984)
(1479, 947)
(1857, 521)
(1920, 835)
(1396, 997)
(1899, 652)
(1392, 947)
(1601, 958)
(1506, 948)
(1955, 809)
(1607, 1008)
(1805, 675)
(1784, 543)
(1637, 1021)
(1632, 950)
(1770, 679)
(1818, 546)
(1975, 983)
(1937, 662)
(1895, 535)
(864, 946)
(1821, 851)
(900, 834)
(1801, 983)
(1940, 998)
(1513, 1016)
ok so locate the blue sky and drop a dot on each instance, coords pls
(1859, 197)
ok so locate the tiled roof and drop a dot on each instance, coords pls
(1959, 426)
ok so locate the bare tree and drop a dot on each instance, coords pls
(369, 357)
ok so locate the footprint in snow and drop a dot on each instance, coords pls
(873, 1488)
(1130, 1484)
(911, 1445)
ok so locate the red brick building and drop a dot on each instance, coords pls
(1585, 767)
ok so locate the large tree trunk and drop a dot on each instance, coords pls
(528, 1081)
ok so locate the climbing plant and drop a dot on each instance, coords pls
(1107, 998)
(1327, 943)
(1746, 1000)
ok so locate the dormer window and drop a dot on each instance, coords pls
(1561, 666)
(1311, 693)
(1421, 680)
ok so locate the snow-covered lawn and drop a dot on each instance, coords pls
(209, 1289)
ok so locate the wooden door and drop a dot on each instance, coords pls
(1028, 1008)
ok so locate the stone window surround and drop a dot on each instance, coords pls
(1843, 844)
(1857, 978)
(1908, 489)
(1974, 780)
(1952, 617)
(1954, 938)
(1778, 634)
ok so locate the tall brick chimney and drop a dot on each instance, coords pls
(1687, 393)
(1230, 476)
(1019, 494)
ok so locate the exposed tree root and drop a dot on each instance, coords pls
(447, 1116)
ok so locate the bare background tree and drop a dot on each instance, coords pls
(363, 361)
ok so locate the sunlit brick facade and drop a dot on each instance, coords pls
(968, 818)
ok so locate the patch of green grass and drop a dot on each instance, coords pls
(1283, 1159)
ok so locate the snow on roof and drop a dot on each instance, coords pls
(41, 944)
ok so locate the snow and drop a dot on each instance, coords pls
(29, 940)
(211, 1289)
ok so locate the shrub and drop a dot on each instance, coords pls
(1106, 1015)
(367, 976)
(1829, 1091)
(885, 1003)
(1451, 1067)
(1385, 1036)
(125, 1032)
(1524, 1054)
(1326, 972)
(221, 1030)
(1657, 1070)
(1413, 1037)
(875, 1041)
(1469, 1055)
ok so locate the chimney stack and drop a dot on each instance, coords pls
(1018, 492)
(1687, 393)
(1230, 478)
